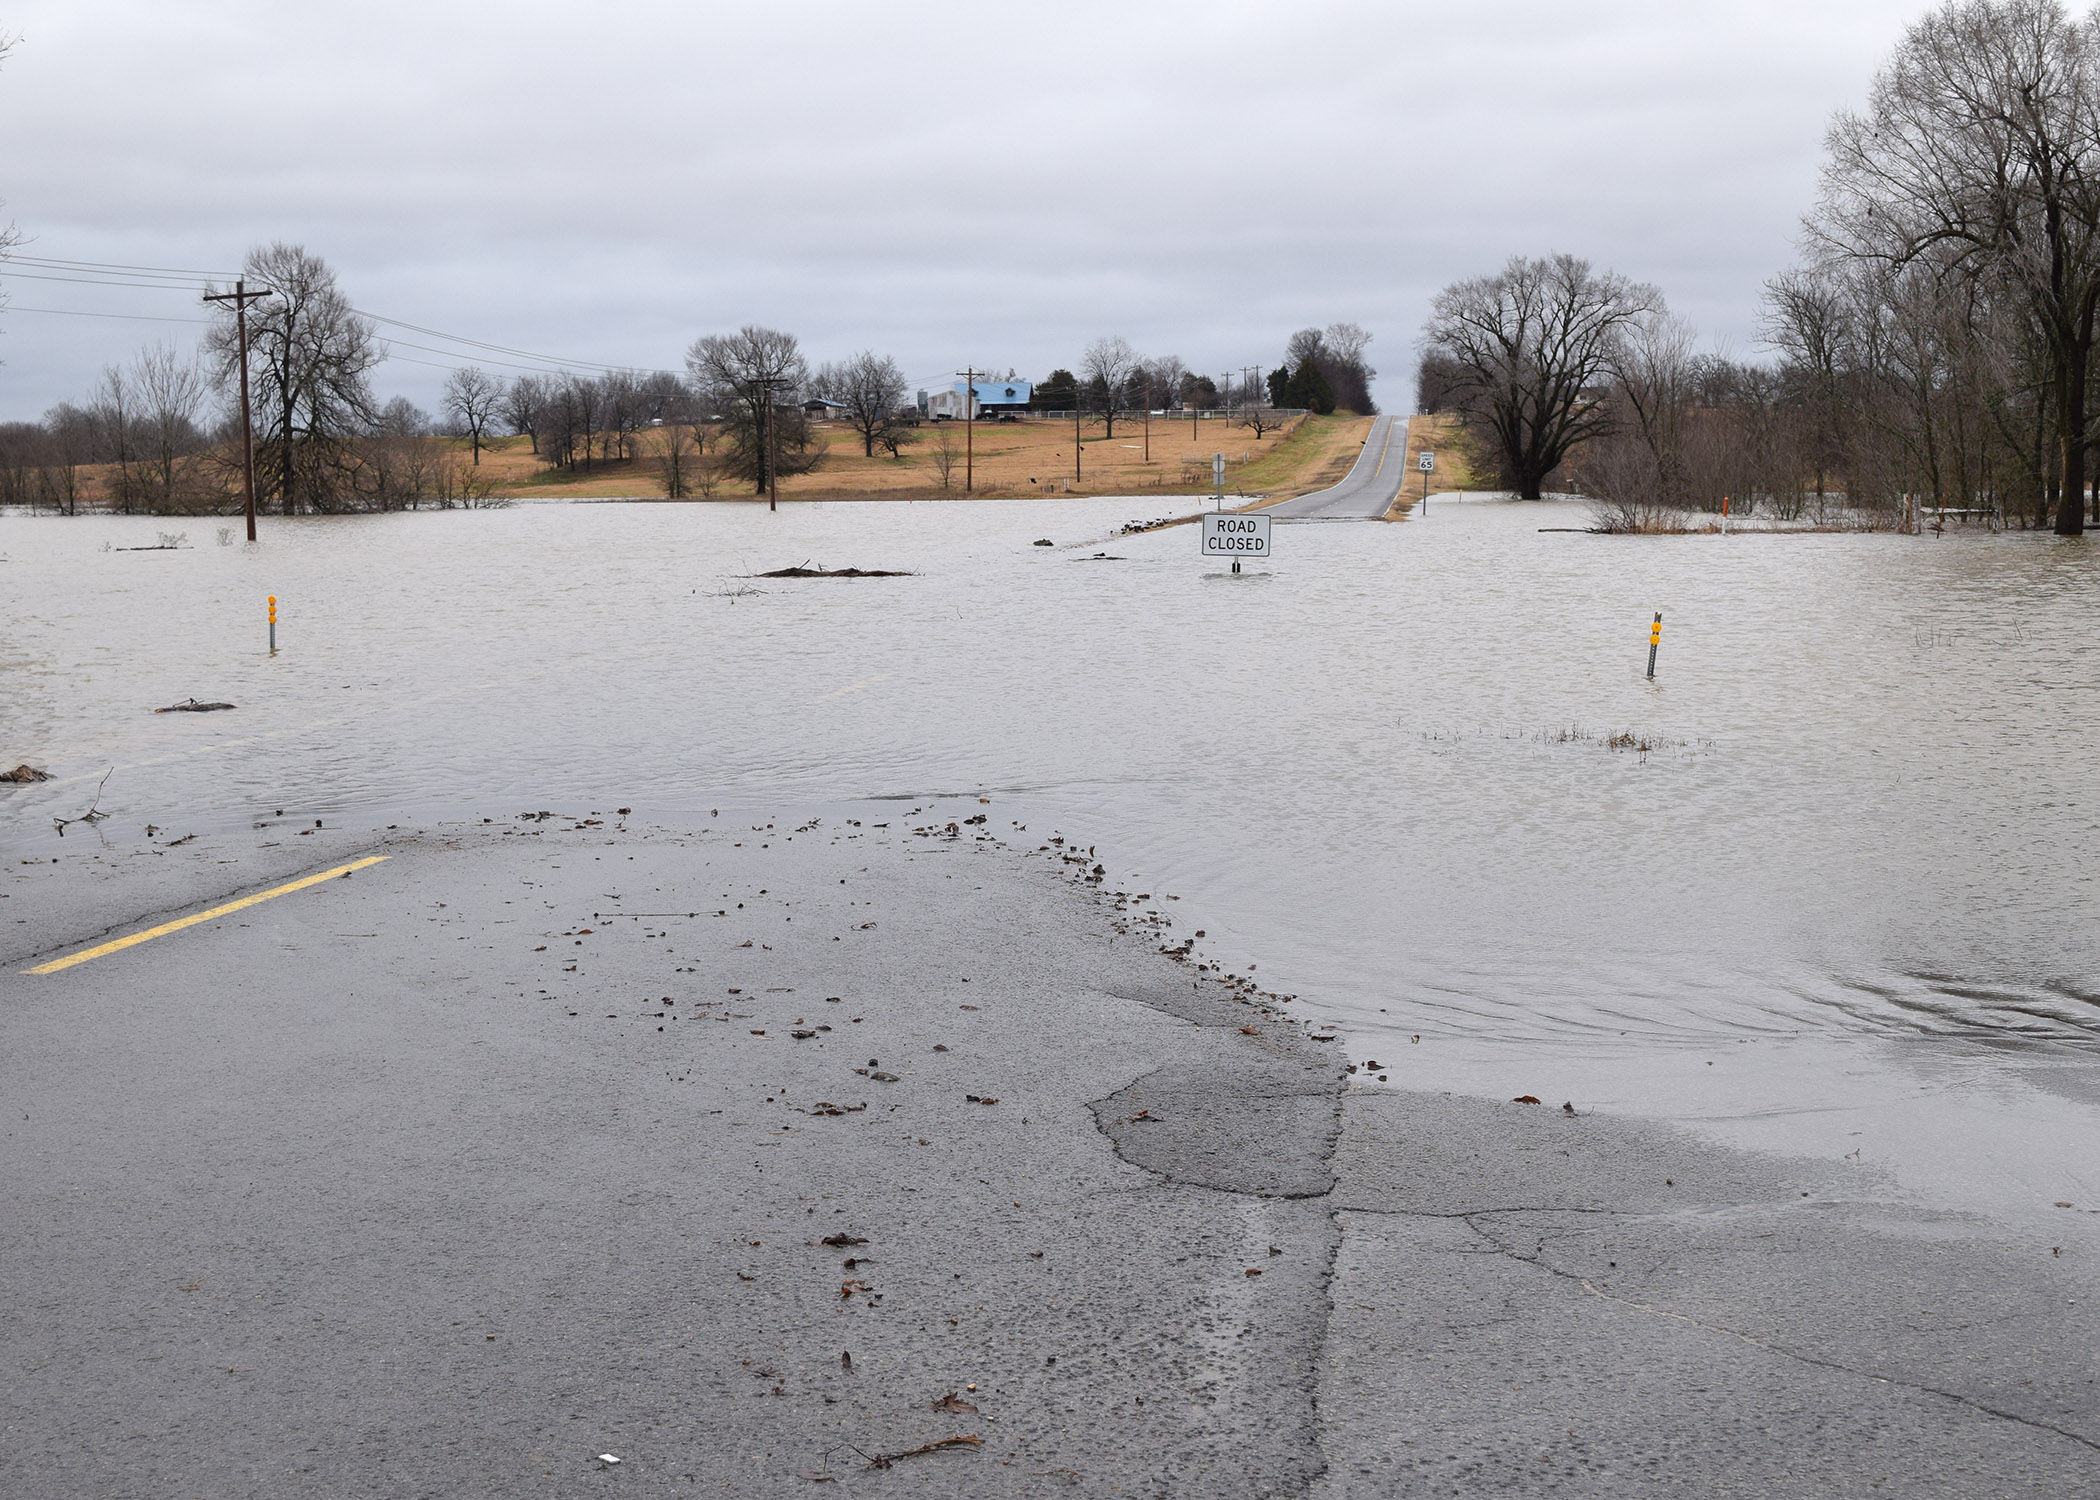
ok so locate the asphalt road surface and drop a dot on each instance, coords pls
(1367, 490)
(901, 1155)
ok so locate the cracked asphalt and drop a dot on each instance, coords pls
(752, 1153)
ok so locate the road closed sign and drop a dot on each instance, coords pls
(1228, 535)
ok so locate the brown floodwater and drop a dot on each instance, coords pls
(1842, 902)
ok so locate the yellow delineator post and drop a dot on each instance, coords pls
(179, 923)
(1655, 635)
(273, 624)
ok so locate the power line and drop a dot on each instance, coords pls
(107, 265)
(547, 359)
(144, 286)
(73, 312)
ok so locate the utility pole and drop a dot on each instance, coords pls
(765, 388)
(969, 427)
(1075, 437)
(1148, 421)
(240, 297)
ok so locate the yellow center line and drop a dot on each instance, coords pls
(203, 916)
(1384, 448)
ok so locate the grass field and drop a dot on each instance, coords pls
(1456, 468)
(1008, 460)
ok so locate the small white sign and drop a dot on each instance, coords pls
(1226, 534)
(1426, 461)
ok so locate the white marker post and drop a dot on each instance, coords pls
(1217, 477)
(1234, 535)
(1426, 462)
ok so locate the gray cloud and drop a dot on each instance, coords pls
(940, 183)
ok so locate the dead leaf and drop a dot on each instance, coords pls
(953, 1402)
(841, 1239)
(1525, 1099)
(1250, 1031)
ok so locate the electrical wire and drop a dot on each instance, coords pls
(74, 312)
(104, 265)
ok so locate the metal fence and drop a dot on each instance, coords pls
(1271, 415)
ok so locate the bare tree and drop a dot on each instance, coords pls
(1529, 344)
(170, 391)
(869, 389)
(117, 440)
(472, 400)
(1805, 320)
(945, 454)
(1108, 363)
(310, 353)
(1259, 416)
(678, 457)
(750, 378)
(1162, 377)
(1979, 155)
(522, 400)
(1348, 371)
(72, 446)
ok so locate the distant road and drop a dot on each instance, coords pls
(1367, 490)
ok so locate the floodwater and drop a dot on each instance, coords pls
(1843, 904)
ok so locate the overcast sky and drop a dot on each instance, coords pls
(944, 183)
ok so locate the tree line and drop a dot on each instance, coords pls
(161, 434)
(1932, 348)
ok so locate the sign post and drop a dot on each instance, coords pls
(1217, 477)
(1235, 535)
(1426, 462)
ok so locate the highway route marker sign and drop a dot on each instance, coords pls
(1235, 535)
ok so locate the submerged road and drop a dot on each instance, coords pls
(1367, 490)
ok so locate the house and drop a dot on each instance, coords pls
(992, 398)
(817, 409)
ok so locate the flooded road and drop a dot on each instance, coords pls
(1841, 903)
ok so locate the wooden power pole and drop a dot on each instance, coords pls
(765, 390)
(969, 428)
(240, 297)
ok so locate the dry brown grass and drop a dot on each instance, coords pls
(1009, 460)
(1456, 469)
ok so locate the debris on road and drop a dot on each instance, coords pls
(25, 773)
(884, 1460)
(806, 572)
(192, 706)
